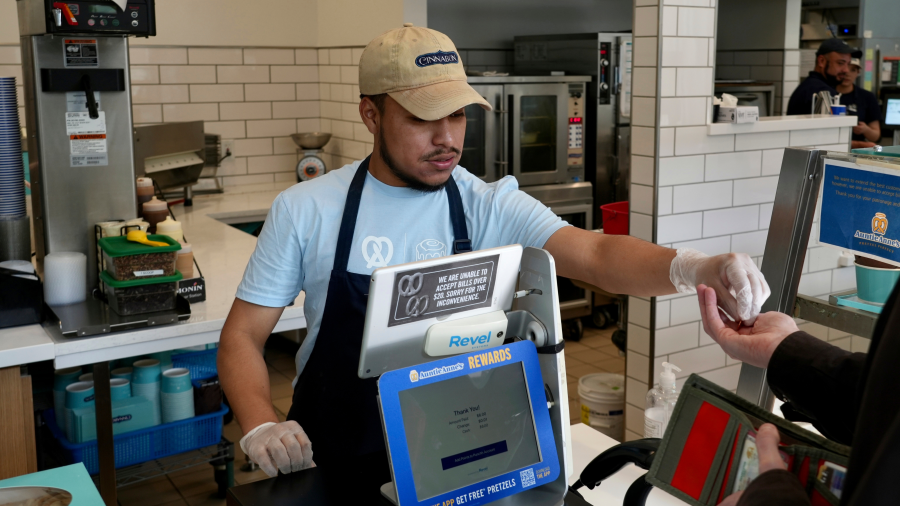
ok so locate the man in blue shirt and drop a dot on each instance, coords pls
(327, 235)
(832, 64)
(862, 104)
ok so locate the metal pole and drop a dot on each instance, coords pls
(105, 447)
(792, 216)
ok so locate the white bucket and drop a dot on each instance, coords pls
(603, 403)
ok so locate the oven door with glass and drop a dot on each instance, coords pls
(538, 131)
(482, 146)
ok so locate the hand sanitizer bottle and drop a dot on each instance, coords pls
(660, 402)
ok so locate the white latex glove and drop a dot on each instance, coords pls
(740, 286)
(279, 447)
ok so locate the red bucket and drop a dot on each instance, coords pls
(615, 218)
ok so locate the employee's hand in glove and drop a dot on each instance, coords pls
(740, 287)
(279, 447)
(754, 345)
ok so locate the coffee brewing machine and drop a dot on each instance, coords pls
(81, 138)
(78, 113)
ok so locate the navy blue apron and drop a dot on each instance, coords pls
(337, 409)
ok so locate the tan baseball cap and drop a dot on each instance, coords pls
(420, 69)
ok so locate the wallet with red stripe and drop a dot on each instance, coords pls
(710, 439)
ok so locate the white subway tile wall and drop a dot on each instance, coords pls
(714, 193)
(257, 97)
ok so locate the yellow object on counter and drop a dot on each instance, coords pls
(139, 236)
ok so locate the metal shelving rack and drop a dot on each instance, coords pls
(792, 220)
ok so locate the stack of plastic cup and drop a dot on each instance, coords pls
(61, 379)
(119, 388)
(145, 382)
(122, 372)
(78, 395)
(12, 169)
(177, 396)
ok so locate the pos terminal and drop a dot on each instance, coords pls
(472, 380)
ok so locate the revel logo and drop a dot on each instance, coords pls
(459, 341)
(438, 58)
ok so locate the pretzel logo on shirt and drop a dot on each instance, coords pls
(879, 223)
(378, 258)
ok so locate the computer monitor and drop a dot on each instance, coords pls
(468, 429)
(892, 112)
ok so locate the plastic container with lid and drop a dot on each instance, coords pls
(602, 398)
(153, 212)
(144, 187)
(185, 261)
(126, 260)
(140, 296)
(171, 228)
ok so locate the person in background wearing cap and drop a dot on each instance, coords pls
(862, 104)
(408, 199)
(832, 64)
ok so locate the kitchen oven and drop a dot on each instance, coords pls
(534, 133)
(572, 202)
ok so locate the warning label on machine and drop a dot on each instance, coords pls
(81, 53)
(87, 139)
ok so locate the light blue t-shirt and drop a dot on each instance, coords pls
(395, 225)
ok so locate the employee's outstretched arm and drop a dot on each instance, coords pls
(627, 265)
(275, 446)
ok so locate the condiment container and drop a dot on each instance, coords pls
(126, 260)
(171, 228)
(184, 263)
(154, 211)
(140, 296)
(144, 186)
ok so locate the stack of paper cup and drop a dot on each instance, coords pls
(177, 395)
(61, 379)
(119, 388)
(78, 395)
(165, 359)
(145, 382)
(122, 372)
(88, 376)
(65, 278)
(12, 169)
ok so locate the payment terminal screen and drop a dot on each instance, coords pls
(892, 114)
(468, 429)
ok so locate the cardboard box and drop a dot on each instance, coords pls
(739, 114)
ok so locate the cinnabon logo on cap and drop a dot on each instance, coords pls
(438, 58)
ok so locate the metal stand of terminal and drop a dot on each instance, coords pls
(792, 221)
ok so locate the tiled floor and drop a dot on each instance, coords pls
(196, 487)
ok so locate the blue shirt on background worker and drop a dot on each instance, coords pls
(832, 64)
(863, 104)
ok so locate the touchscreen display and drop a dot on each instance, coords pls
(468, 429)
(892, 115)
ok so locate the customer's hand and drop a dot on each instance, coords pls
(754, 344)
(767, 440)
(740, 286)
(277, 447)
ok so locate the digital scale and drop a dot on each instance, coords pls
(311, 165)
(471, 378)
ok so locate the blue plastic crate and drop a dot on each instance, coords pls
(202, 364)
(146, 444)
